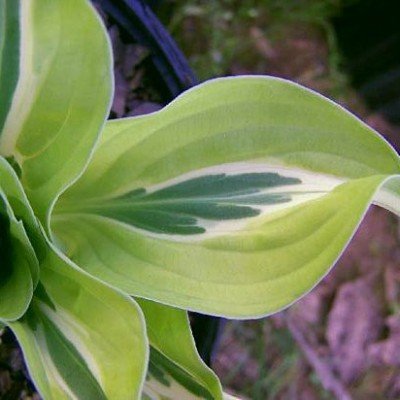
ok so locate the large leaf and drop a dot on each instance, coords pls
(234, 200)
(19, 270)
(58, 104)
(175, 368)
(80, 338)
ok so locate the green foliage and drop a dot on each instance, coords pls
(234, 200)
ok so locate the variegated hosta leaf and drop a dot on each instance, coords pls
(175, 368)
(55, 88)
(18, 264)
(80, 338)
(234, 200)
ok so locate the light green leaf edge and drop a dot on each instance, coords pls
(228, 396)
(388, 196)
(62, 96)
(271, 261)
(169, 333)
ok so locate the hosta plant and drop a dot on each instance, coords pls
(234, 200)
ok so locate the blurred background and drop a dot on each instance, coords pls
(342, 340)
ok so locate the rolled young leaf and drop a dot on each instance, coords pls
(19, 269)
(80, 338)
(234, 200)
(56, 85)
(23, 212)
(17, 262)
(176, 370)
